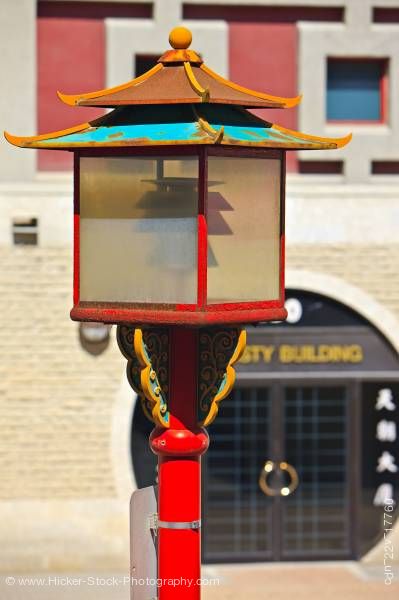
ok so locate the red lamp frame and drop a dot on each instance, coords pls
(200, 313)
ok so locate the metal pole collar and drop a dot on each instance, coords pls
(179, 524)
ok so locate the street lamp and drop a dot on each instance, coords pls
(168, 235)
(179, 239)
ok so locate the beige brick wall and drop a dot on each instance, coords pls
(56, 399)
(58, 403)
(372, 268)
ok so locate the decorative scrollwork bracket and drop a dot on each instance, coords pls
(147, 353)
(219, 350)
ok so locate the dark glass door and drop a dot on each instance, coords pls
(315, 519)
(237, 515)
(265, 442)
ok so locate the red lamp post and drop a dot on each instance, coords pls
(179, 240)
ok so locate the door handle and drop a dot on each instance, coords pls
(268, 469)
(292, 472)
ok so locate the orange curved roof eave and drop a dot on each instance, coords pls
(29, 141)
(226, 141)
(285, 102)
(336, 142)
(222, 141)
(115, 144)
(95, 97)
(75, 99)
(309, 142)
(314, 142)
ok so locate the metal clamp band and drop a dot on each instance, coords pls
(180, 524)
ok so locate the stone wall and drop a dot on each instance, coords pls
(372, 268)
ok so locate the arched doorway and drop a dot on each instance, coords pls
(314, 393)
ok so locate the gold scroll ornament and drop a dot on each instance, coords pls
(147, 353)
(219, 350)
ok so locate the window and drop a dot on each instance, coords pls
(148, 232)
(385, 167)
(321, 167)
(25, 231)
(356, 90)
(243, 229)
(143, 63)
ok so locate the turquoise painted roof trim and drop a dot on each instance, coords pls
(183, 133)
(177, 125)
(162, 132)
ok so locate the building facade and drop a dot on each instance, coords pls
(320, 393)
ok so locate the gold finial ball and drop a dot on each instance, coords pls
(180, 38)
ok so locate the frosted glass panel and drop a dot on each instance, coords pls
(243, 229)
(138, 230)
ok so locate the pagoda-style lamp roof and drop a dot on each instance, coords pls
(180, 77)
(180, 101)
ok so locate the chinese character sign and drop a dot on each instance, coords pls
(386, 433)
(379, 456)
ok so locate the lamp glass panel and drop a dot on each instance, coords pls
(243, 229)
(138, 229)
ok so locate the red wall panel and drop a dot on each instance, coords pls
(263, 56)
(71, 58)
